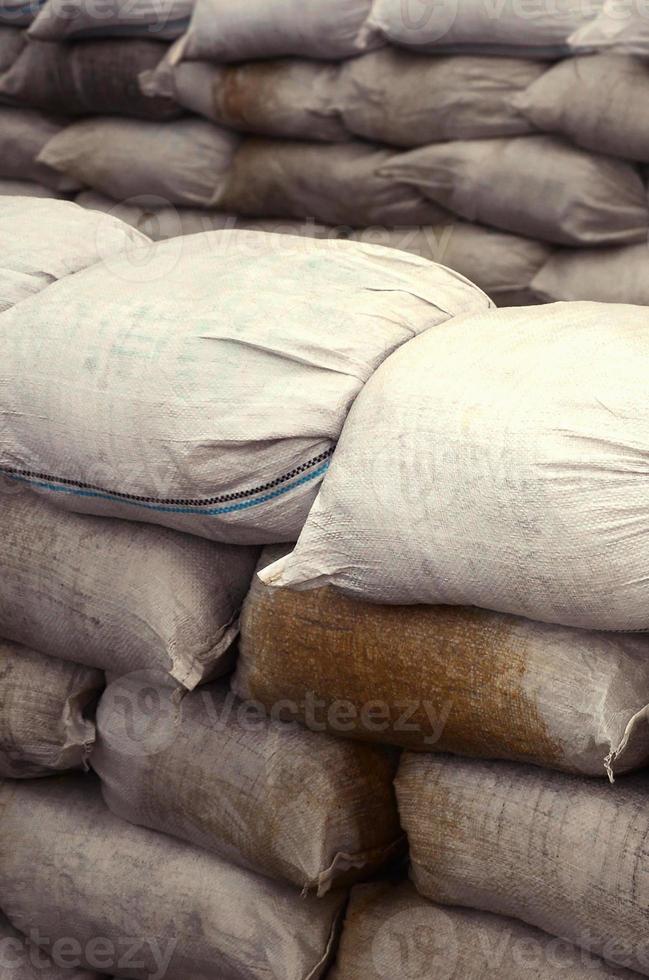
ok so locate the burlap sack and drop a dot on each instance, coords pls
(21, 960)
(450, 679)
(537, 186)
(184, 161)
(163, 909)
(216, 418)
(607, 275)
(338, 184)
(496, 485)
(402, 98)
(289, 803)
(390, 932)
(23, 134)
(561, 853)
(88, 78)
(60, 20)
(119, 596)
(12, 41)
(45, 703)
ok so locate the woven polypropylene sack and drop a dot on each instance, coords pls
(619, 27)
(22, 960)
(23, 134)
(62, 20)
(12, 42)
(26, 188)
(607, 275)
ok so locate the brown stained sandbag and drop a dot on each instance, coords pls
(21, 960)
(286, 802)
(44, 708)
(88, 78)
(70, 868)
(605, 275)
(392, 932)
(564, 854)
(23, 135)
(445, 678)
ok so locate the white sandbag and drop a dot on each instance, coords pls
(606, 275)
(21, 960)
(537, 186)
(161, 908)
(599, 103)
(12, 41)
(227, 30)
(60, 20)
(285, 97)
(183, 162)
(564, 854)
(42, 241)
(23, 134)
(538, 442)
(19, 13)
(390, 931)
(534, 28)
(26, 188)
(45, 723)
(122, 597)
(226, 364)
(406, 99)
(335, 183)
(620, 26)
(295, 805)
(501, 264)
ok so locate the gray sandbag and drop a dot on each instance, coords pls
(26, 188)
(598, 103)
(184, 161)
(536, 185)
(336, 183)
(12, 41)
(23, 134)
(390, 931)
(60, 20)
(177, 910)
(562, 853)
(44, 707)
(619, 274)
(620, 27)
(42, 241)
(296, 805)
(406, 99)
(240, 390)
(87, 78)
(119, 596)
(22, 960)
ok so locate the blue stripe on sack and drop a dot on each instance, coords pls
(213, 512)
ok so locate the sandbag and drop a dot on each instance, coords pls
(606, 275)
(184, 161)
(25, 188)
(448, 679)
(23, 134)
(92, 77)
(19, 13)
(21, 960)
(538, 442)
(12, 41)
(44, 712)
(60, 20)
(620, 26)
(599, 103)
(227, 30)
(162, 908)
(531, 29)
(42, 241)
(537, 186)
(292, 804)
(561, 853)
(119, 596)
(255, 381)
(337, 183)
(390, 931)
(402, 98)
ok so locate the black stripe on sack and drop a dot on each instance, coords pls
(224, 498)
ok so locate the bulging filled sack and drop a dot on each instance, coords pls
(60, 20)
(119, 596)
(286, 802)
(564, 854)
(22, 960)
(496, 485)
(449, 679)
(44, 712)
(184, 161)
(531, 29)
(23, 134)
(88, 78)
(209, 405)
(143, 904)
(42, 241)
(12, 41)
(599, 103)
(619, 26)
(537, 186)
(226, 30)
(391, 931)
(402, 98)
(338, 184)
(607, 275)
